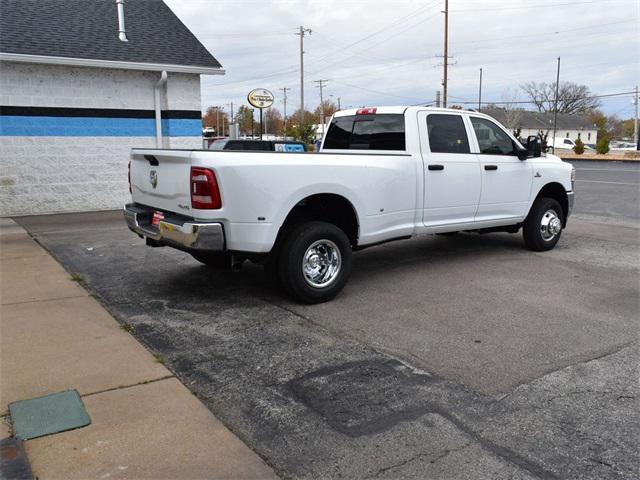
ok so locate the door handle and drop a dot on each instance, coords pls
(436, 167)
(491, 167)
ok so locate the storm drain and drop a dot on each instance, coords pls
(366, 397)
(53, 413)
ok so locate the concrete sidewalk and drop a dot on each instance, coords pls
(144, 423)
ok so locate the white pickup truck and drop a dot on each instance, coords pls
(382, 174)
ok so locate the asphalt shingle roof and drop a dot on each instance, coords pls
(542, 120)
(88, 29)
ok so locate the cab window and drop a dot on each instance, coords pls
(447, 134)
(492, 140)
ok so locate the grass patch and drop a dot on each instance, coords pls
(126, 327)
(159, 358)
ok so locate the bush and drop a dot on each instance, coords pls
(602, 146)
(579, 148)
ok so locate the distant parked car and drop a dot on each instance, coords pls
(564, 143)
(259, 145)
(627, 146)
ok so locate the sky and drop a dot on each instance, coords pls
(384, 52)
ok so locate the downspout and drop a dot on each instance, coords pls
(122, 33)
(156, 103)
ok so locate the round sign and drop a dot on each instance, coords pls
(260, 98)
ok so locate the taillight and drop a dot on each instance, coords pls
(129, 176)
(205, 193)
(366, 111)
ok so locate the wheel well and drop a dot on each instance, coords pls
(558, 193)
(326, 207)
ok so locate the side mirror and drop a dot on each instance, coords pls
(534, 147)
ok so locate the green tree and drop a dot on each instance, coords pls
(304, 133)
(579, 147)
(244, 117)
(602, 146)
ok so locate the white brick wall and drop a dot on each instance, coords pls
(66, 174)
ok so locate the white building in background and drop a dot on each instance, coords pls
(571, 127)
(74, 98)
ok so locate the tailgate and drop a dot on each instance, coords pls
(161, 179)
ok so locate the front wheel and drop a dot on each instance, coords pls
(315, 262)
(543, 226)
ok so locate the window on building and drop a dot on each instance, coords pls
(447, 134)
(578, 134)
(567, 134)
(492, 140)
(589, 136)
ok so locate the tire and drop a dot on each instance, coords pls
(326, 252)
(543, 226)
(448, 234)
(220, 261)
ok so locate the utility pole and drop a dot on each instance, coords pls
(438, 99)
(555, 110)
(445, 59)
(302, 33)
(480, 91)
(636, 134)
(339, 108)
(217, 121)
(321, 85)
(284, 90)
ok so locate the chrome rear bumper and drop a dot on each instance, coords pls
(188, 234)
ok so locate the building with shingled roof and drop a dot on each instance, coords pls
(81, 83)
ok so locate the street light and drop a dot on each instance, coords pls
(252, 117)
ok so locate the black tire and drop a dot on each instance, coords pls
(448, 234)
(537, 236)
(221, 261)
(292, 255)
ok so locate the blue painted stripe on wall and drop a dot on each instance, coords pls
(34, 126)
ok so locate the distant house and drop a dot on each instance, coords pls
(75, 97)
(531, 123)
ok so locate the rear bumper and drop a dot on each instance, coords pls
(175, 231)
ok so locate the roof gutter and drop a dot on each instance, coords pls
(97, 63)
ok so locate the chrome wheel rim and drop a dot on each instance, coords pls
(550, 225)
(321, 263)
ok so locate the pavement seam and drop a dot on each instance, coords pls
(124, 387)
(606, 353)
(86, 294)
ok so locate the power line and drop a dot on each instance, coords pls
(516, 102)
(522, 7)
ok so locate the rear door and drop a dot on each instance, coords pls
(506, 180)
(161, 179)
(451, 171)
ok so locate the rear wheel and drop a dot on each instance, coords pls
(214, 260)
(543, 226)
(315, 262)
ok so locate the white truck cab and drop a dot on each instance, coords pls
(383, 173)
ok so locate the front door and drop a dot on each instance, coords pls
(506, 180)
(451, 171)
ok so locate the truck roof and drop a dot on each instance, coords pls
(396, 109)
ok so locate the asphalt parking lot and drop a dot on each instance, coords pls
(444, 357)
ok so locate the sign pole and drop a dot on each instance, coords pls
(261, 125)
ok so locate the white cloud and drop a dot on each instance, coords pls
(377, 52)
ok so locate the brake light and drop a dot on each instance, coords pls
(366, 111)
(205, 193)
(129, 176)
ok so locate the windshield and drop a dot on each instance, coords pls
(366, 132)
